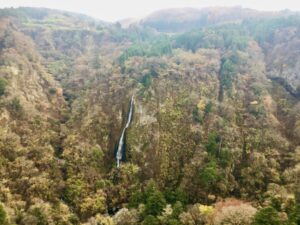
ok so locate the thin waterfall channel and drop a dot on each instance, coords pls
(120, 151)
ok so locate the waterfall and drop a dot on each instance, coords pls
(119, 154)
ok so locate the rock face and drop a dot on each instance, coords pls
(120, 155)
(283, 59)
(216, 113)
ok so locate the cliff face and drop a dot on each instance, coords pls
(26, 76)
(282, 59)
(216, 112)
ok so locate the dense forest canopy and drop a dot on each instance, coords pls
(215, 133)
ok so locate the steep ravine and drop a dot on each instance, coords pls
(121, 149)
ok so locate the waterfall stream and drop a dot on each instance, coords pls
(119, 154)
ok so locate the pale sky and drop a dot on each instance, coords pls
(112, 10)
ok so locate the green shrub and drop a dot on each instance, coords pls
(155, 204)
(173, 222)
(157, 47)
(146, 80)
(136, 198)
(173, 196)
(3, 84)
(177, 209)
(196, 115)
(3, 216)
(267, 216)
(294, 215)
(212, 146)
(151, 220)
(73, 191)
(209, 175)
(41, 219)
(15, 108)
(227, 73)
(208, 108)
(52, 91)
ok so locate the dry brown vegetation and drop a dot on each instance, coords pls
(216, 116)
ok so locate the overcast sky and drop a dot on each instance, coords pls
(112, 10)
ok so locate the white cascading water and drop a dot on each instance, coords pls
(119, 154)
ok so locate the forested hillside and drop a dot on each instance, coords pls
(215, 133)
